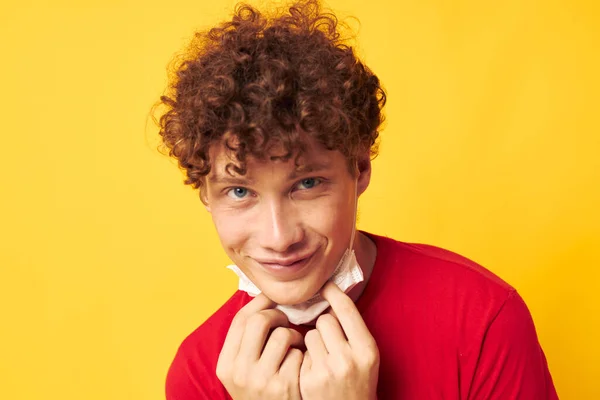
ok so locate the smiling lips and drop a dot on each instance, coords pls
(284, 265)
(283, 262)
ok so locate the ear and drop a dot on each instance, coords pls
(204, 199)
(364, 173)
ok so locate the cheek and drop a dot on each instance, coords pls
(229, 229)
(332, 218)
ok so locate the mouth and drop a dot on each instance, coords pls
(285, 267)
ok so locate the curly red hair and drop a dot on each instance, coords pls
(254, 82)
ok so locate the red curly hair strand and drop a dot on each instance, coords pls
(255, 81)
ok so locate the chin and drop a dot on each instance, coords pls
(291, 294)
(285, 299)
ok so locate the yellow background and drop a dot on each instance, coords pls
(108, 261)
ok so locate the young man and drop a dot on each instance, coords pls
(275, 121)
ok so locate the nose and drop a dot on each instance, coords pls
(280, 228)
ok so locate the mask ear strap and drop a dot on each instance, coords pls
(351, 248)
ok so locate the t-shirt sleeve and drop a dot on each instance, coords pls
(192, 378)
(512, 365)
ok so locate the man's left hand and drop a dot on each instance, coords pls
(342, 358)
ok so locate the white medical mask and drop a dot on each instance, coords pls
(346, 275)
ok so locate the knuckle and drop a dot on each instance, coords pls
(326, 375)
(295, 356)
(272, 391)
(295, 353)
(282, 335)
(311, 335)
(276, 389)
(258, 321)
(370, 354)
(238, 320)
(345, 369)
(239, 378)
(325, 319)
(346, 308)
(222, 372)
(258, 384)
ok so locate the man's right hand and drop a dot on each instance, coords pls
(251, 369)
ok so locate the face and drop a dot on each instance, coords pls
(286, 227)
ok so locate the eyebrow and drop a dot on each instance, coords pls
(232, 180)
(220, 178)
(308, 168)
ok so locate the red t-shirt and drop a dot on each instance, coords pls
(446, 328)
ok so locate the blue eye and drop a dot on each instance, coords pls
(238, 193)
(309, 183)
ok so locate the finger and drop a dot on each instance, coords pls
(331, 312)
(234, 336)
(259, 303)
(332, 334)
(277, 347)
(316, 347)
(347, 314)
(306, 363)
(256, 331)
(290, 367)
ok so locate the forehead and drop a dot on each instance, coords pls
(313, 157)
